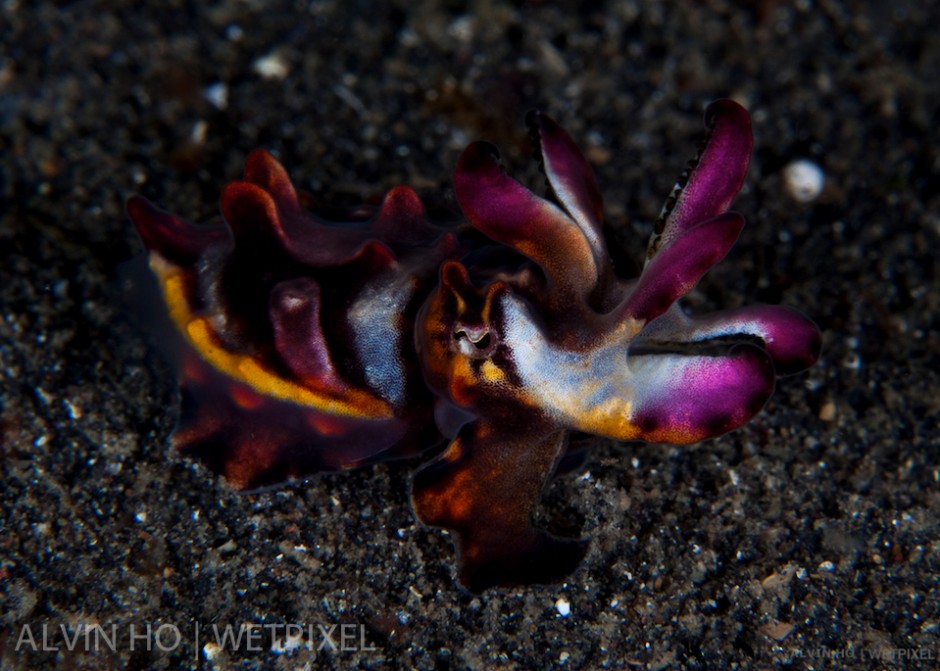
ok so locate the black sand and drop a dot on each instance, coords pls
(807, 539)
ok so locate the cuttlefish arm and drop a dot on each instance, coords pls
(485, 488)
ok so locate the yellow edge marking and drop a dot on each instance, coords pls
(610, 419)
(244, 368)
(613, 422)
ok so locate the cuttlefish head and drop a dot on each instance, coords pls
(465, 342)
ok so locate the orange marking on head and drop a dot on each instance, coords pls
(193, 369)
(462, 382)
(327, 426)
(495, 289)
(450, 500)
(245, 397)
(253, 455)
(453, 452)
(456, 503)
(461, 505)
(679, 435)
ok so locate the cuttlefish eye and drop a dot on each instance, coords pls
(472, 341)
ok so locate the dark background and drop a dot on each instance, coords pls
(808, 537)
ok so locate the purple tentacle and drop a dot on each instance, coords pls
(677, 268)
(174, 238)
(299, 337)
(685, 397)
(713, 180)
(570, 179)
(508, 212)
(790, 338)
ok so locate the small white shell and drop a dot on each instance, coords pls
(804, 180)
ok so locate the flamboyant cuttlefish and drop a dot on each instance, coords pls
(315, 345)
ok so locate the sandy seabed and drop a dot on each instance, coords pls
(808, 538)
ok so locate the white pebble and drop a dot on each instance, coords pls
(217, 94)
(211, 651)
(272, 66)
(804, 180)
(563, 607)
